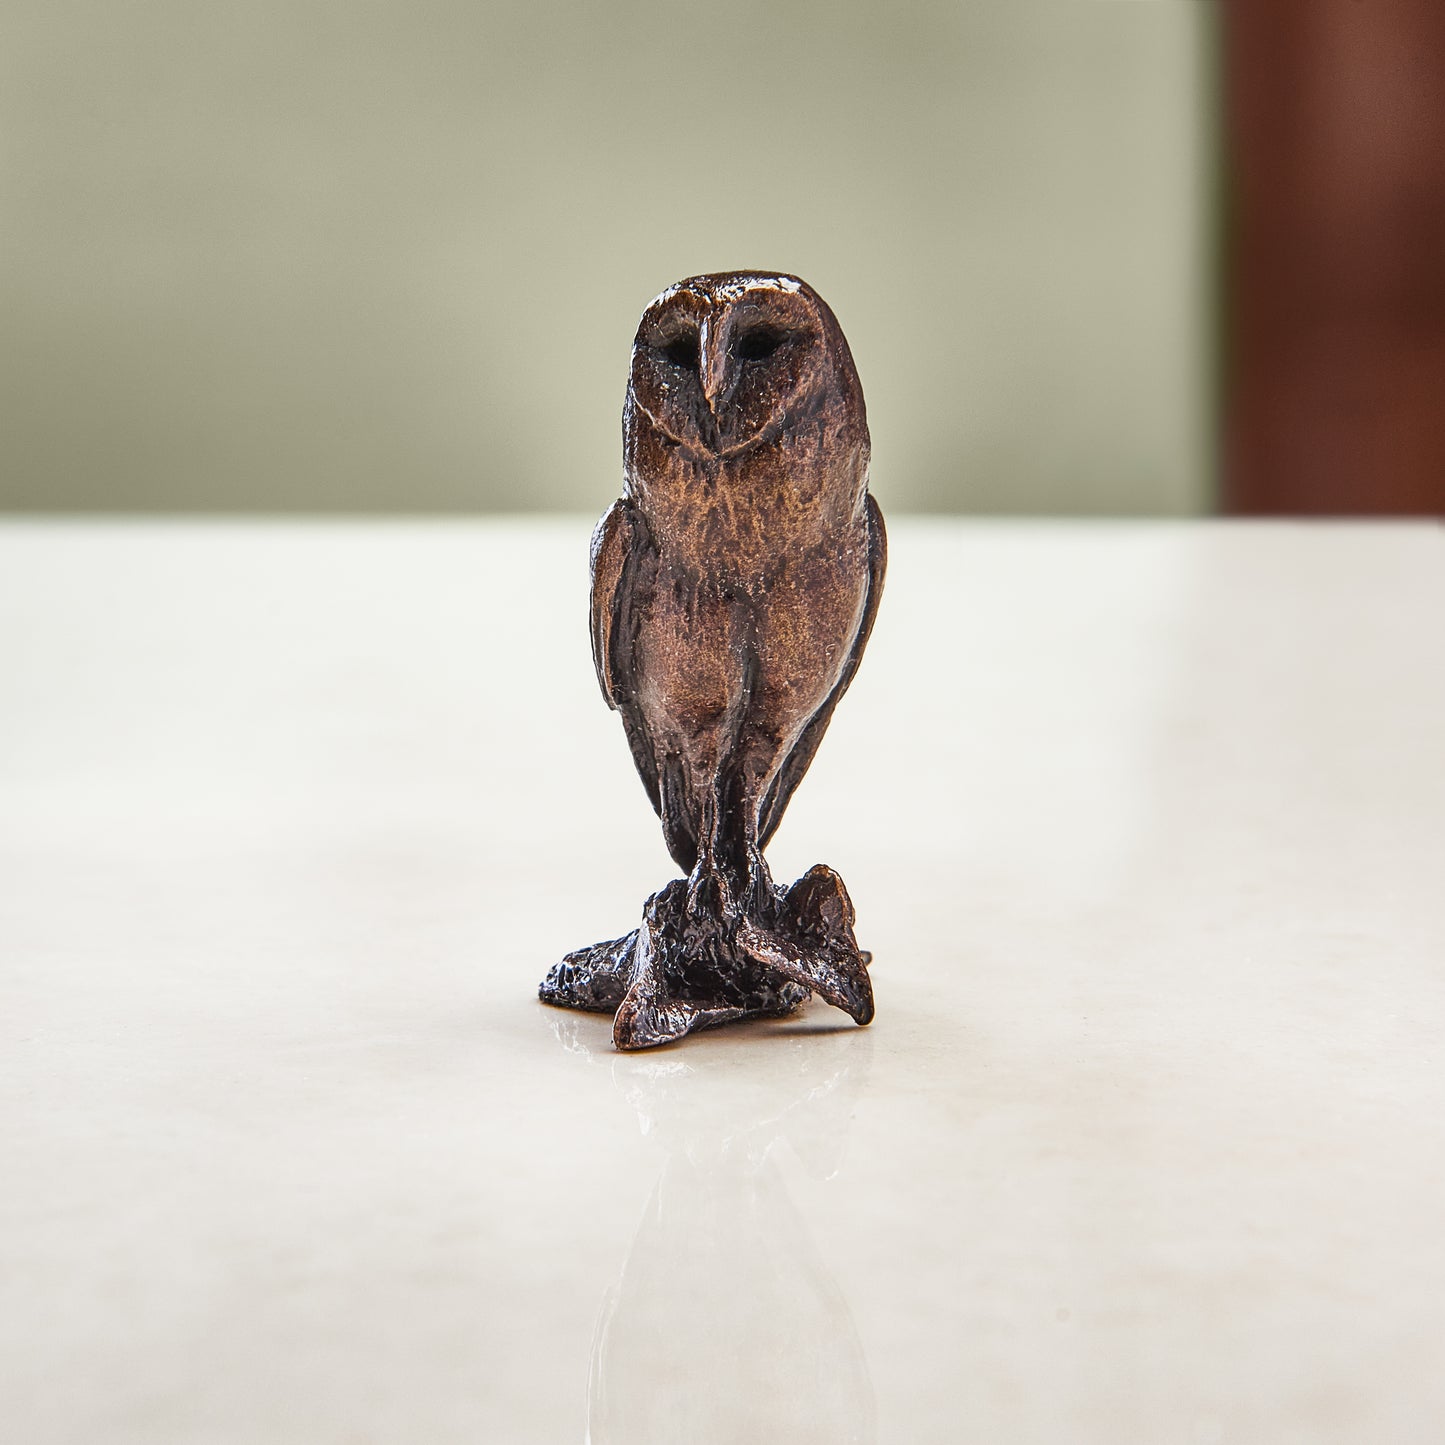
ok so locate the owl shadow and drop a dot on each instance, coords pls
(725, 1323)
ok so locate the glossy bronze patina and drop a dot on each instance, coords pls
(734, 586)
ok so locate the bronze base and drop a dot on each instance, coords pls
(693, 966)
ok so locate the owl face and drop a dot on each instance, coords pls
(723, 363)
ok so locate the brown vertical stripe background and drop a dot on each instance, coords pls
(1335, 270)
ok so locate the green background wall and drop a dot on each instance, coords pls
(299, 255)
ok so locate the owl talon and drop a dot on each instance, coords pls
(662, 1005)
(709, 898)
(838, 976)
(594, 979)
(647, 1023)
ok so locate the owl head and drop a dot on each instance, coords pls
(725, 363)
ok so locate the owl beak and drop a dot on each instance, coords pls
(713, 355)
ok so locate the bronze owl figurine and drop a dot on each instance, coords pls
(734, 587)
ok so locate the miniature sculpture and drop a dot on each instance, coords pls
(734, 586)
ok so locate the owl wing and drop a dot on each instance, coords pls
(623, 559)
(613, 543)
(791, 773)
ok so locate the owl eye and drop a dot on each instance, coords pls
(757, 343)
(681, 350)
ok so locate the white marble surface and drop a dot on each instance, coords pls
(1146, 829)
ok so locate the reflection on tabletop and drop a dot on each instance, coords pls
(725, 1324)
